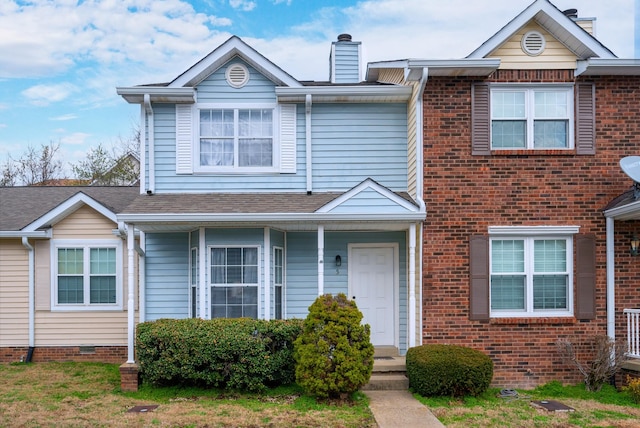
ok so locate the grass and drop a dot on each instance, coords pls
(89, 395)
(606, 408)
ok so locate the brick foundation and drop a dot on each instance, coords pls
(102, 354)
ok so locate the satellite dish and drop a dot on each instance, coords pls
(631, 166)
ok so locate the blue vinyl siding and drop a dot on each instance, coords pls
(301, 272)
(214, 89)
(369, 200)
(167, 279)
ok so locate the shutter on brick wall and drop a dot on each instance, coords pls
(586, 119)
(480, 119)
(184, 139)
(586, 277)
(288, 138)
(479, 278)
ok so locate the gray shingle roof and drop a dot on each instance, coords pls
(20, 206)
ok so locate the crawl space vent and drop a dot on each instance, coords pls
(237, 75)
(533, 43)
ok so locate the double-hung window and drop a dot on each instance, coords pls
(531, 276)
(534, 117)
(234, 282)
(86, 275)
(236, 139)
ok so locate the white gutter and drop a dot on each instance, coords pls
(152, 157)
(611, 280)
(307, 116)
(270, 217)
(32, 312)
(36, 234)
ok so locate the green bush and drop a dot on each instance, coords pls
(242, 354)
(448, 370)
(333, 354)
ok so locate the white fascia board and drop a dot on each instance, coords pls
(373, 68)
(196, 218)
(546, 8)
(136, 94)
(608, 67)
(368, 184)
(223, 53)
(35, 234)
(345, 92)
(533, 230)
(67, 207)
(630, 211)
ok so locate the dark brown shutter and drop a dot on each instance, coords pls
(480, 119)
(585, 119)
(586, 277)
(479, 278)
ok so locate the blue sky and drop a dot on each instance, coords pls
(61, 60)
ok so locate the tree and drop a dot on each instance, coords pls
(35, 166)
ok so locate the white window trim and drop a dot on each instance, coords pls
(275, 151)
(85, 244)
(529, 105)
(259, 285)
(529, 234)
(282, 284)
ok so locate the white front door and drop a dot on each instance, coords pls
(372, 279)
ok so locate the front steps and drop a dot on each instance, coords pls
(389, 371)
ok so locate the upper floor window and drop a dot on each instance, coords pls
(531, 117)
(233, 138)
(86, 275)
(530, 276)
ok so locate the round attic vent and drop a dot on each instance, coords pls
(533, 43)
(237, 75)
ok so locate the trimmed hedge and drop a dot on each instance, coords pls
(448, 370)
(334, 355)
(240, 354)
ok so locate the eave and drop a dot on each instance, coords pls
(446, 67)
(331, 94)
(158, 94)
(608, 67)
(34, 234)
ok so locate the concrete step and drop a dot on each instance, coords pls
(389, 364)
(385, 351)
(387, 382)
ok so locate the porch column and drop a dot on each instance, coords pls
(131, 315)
(320, 260)
(412, 285)
(267, 273)
(611, 280)
(202, 272)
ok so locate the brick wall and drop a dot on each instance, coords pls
(465, 194)
(102, 354)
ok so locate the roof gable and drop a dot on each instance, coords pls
(233, 47)
(582, 44)
(368, 195)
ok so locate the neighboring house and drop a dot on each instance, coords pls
(62, 258)
(522, 143)
(260, 192)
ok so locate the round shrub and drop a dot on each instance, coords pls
(333, 353)
(448, 370)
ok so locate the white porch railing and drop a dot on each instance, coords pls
(633, 332)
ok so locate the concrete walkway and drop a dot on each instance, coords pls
(399, 409)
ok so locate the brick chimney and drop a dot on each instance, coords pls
(345, 60)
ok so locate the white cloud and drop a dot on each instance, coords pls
(43, 95)
(75, 139)
(64, 117)
(244, 5)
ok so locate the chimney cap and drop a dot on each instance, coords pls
(344, 37)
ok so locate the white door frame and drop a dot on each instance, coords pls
(396, 280)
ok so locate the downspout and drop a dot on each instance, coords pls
(32, 300)
(151, 188)
(307, 117)
(611, 280)
(420, 182)
(143, 151)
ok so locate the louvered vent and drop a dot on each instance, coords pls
(237, 75)
(533, 43)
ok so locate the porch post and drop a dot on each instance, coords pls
(267, 274)
(130, 285)
(412, 285)
(611, 294)
(320, 260)
(202, 272)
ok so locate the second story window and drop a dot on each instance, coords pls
(531, 118)
(236, 138)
